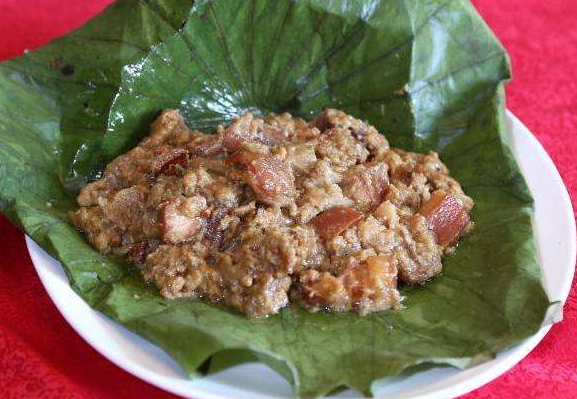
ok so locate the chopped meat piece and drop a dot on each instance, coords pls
(320, 288)
(274, 209)
(102, 233)
(212, 232)
(376, 236)
(301, 157)
(334, 221)
(370, 286)
(168, 128)
(122, 209)
(247, 130)
(344, 244)
(341, 149)
(271, 180)
(170, 162)
(267, 296)
(180, 219)
(321, 174)
(366, 185)
(270, 135)
(206, 145)
(132, 168)
(238, 132)
(446, 217)
(418, 256)
(386, 213)
(295, 130)
(138, 252)
(434, 202)
(179, 270)
(331, 118)
(317, 199)
(376, 143)
(90, 193)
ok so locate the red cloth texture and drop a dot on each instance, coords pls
(42, 357)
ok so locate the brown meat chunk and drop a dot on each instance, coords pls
(239, 132)
(418, 256)
(180, 271)
(334, 221)
(180, 219)
(206, 145)
(213, 232)
(101, 233)
(271, 180)
(445, 216)
(301, 157)
(90, 193)
(168, 128)
(247, 129)
(366, 185)
(138, 252)
(341, 149)
(370, 286)
(331, 118)
(267, 296)
(124, 206)
(318, 199)
(170, 161)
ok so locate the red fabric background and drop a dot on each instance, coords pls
(42, 357)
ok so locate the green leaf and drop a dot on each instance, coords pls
(427, 73)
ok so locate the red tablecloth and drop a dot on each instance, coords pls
(42, 357)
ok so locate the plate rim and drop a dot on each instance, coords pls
(515, 355)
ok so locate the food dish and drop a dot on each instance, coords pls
(324, 212)
(394, 63)
(553, 213)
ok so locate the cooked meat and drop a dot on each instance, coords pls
(271, 181)
(366, 185)
(179, 219)
(276, 209)
(334, 221)
(365, 287)
(445, 216)
(418, 255)
(170, 161)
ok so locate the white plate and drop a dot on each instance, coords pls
(555, 234)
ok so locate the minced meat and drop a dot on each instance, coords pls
(274, 210)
